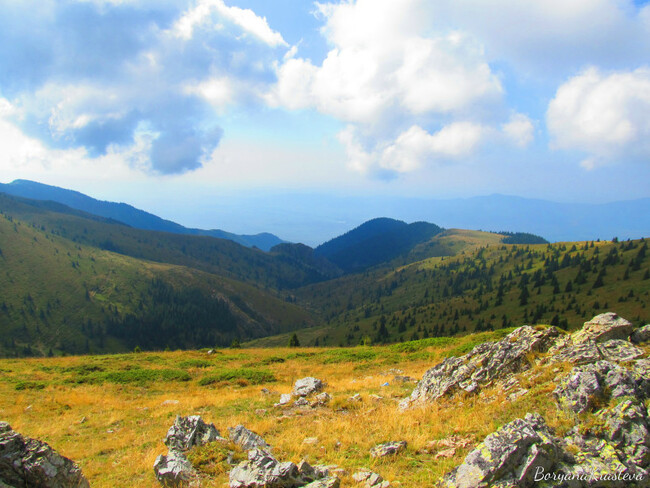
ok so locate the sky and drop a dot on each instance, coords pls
(197, 110)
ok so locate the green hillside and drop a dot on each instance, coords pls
(59, 296)
(210, 254)
(486, 286)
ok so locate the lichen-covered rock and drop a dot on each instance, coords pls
(591, 385)
(626, 428)
(26, 462)
(306, 386)
(486, 362)
(508, 457)
(603, 327)
(370, 479)
(246, 439)
(641, 335)
(388, 449)
(329, 482)
(619, 350)
(188, 432)
(582, 353)
(262, 470)
(174, 470)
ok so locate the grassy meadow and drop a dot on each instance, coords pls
(110, 413)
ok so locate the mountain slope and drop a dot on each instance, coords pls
(127, 213)
(374, 242)
(58, 295)
(213, 255)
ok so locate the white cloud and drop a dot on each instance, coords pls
(519, 129)
(217, 91)
(413, 148)
(246, 19)
(389, 75)
(603, 115)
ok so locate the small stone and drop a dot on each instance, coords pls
(388, 449)
(355, 398)
(170, 402)
(446, 453)
(301, 402)
(376, 398)
(321, 399)
(310, 441)
(285, 398)
(517, 394)
(260, 411)
(210, 352)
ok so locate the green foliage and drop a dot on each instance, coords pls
(247, 375)
(293, 341)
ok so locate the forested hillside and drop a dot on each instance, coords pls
(491, 287)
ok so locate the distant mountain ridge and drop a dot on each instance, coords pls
(376, 241)
(128, 214)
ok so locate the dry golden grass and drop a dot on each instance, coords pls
(115, 431)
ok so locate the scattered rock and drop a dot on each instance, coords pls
(210, 352)
(355, 398)
(301, 402)
(188, 432)
(329, 482)
(170, 402)
(388, 449)
(321, 400)
(517, 394)
(641, 335)
(30, 462)
(376, 398)
(603, 327)
(485, 363)
(310, 441)
(446, 453)
(260, 411)
(174, 470)
(370, 479)
(403, 379)
(246, 439)
(307, 386)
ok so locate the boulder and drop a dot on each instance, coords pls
(321, 400)
(508, 457)
(619, 350)
(262, 470)
(370, 479)
(582, 353)
(174, 470)
(188, 432)
(30, 462)
(285, 398)
(306, 386)
(486, 362)
(246, 439)
(603, 327)
(641, 335)
(388, 449)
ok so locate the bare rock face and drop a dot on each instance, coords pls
(188, 432)
(486, 362)
(26, 462)
(604, 327)
(246, 439)
(306, 386)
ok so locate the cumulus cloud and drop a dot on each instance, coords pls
(604, 115)
(519, 129)
(405, 88)
(93, 74)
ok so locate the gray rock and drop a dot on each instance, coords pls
(301, 402)
(262, 470)
(641, 335)
(369, 479)
(583, 353)
(603, 327)
(329, 482)
(285, 398)
(641, 373)
(311, 473)
(174, 470)
(26, 462)
(321, 400)
(590, 386)
(619, 350)
(246, 439)
(188, 432)
(486, 362)
(306, 386)
(508, 457)
(626, 428)
(388, 449)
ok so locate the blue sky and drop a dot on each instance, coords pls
(177, 106)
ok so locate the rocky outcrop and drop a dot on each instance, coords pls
(370, 479)
(26, 462)
(641, 335)
(605, 392)
(173, 469)
(486, 362)
(306, 386)
(262, 470)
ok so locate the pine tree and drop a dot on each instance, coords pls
(293, 341)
